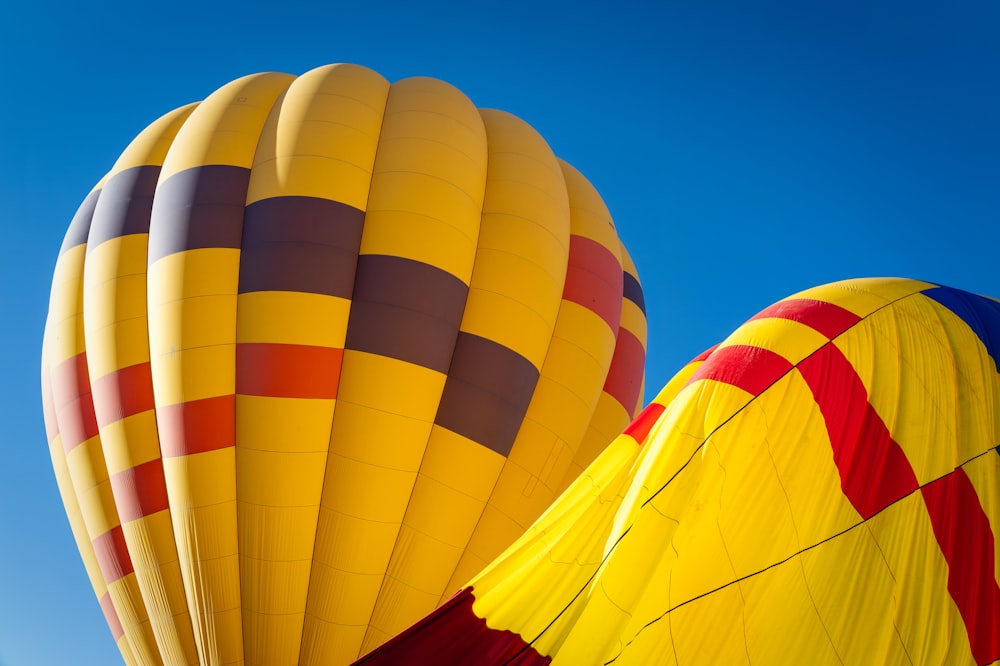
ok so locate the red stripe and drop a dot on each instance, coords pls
(829, 319)
(123, 393)
(624, 380)
(750, 368)
(287, 371)
(74, 404)
(111, 616)
(640, 427)
(454, 635)
(197, 426)
(594, 279)
(874, 471)
(112, 555)
(966, 539)
(140, 491)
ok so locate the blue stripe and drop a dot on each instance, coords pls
(981, 314)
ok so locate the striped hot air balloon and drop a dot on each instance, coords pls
(821, 488)
(318, 349)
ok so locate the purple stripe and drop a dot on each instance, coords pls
(487, 392)
(79, 227)
(125, 205)
(406, 310)
(302, 244)
(201, 207)
(633, 291)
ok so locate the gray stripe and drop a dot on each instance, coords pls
(201, 207)
(407, 310)
(303, 244)
(487, 392)
(79, 226)
(125, 205)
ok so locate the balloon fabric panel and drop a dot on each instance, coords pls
(79, 467)
(298, 262)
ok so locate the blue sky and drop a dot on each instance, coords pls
(746, 150)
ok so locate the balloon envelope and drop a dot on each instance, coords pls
(823, 487)
(319, 348)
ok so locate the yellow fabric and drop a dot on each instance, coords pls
(65, 318)
(192, 323)
(727, 537)
(224, 128)
(151, 145)
(320, 141)
(158, 575)
(295, 318)
(513, 300)
(85, 467)
(191, 334)
(117, 338)
(130, 441)
(426, 195)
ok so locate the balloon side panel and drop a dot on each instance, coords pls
(506, 328)
(74, 515)
(417, 250)
(123, 398)
(78, 427)
(621, 396)
(116, 325)
(575, 368)
(524, 589)
(301, 237)
(193, 274)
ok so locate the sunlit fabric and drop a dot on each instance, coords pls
(318, 349)
(823, 487)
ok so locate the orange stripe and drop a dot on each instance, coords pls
(640, 427)
(287, 371)
(73, 401)
(112, 555)
(111, 616)
(140, 491)
(197, 426)
(123, 393)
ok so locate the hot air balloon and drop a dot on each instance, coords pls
(318, 349)
(823, 487)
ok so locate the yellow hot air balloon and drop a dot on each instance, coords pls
(821, 488)
(318, 349)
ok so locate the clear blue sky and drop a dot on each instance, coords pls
(747, 150)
